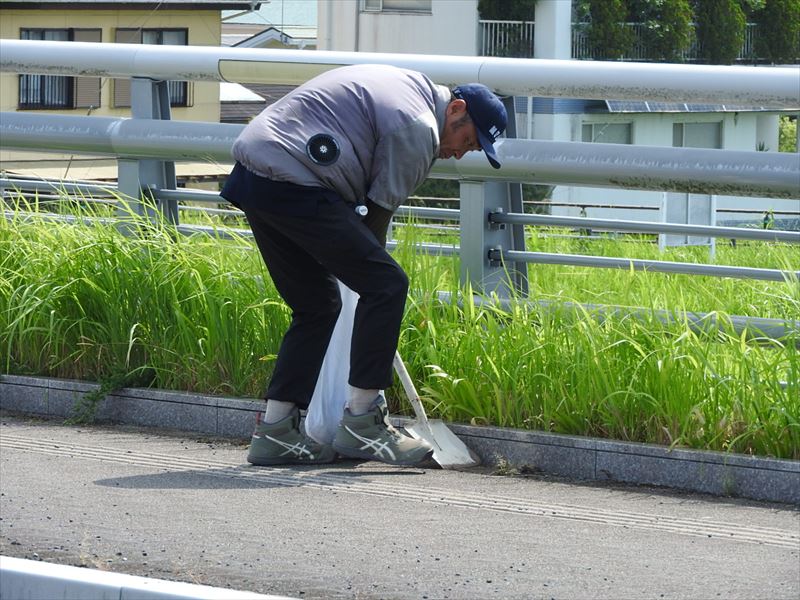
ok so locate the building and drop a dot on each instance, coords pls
(399, 26)
(180, 22)
(277, 24)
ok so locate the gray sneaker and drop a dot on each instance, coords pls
(372, 437)
(283, 443)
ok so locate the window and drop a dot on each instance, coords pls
(417, 6)
(178, 90)
(59, 91)
(697, 135)
(697, 209)
(607, 133)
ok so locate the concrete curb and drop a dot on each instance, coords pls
(22, 579)
(592, 459)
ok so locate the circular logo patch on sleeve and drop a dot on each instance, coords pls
(323, 149)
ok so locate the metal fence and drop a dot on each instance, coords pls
(55, 191)
(515, 39)
(507, 38)
(491, 218)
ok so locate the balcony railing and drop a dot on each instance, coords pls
(507, 38)
(515, 39)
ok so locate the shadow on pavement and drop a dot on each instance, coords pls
(247, 477)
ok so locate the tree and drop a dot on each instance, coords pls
(609, 37)
(720, 30)
(750, 7)
(779, 25)
(668, 27)
(787, 139)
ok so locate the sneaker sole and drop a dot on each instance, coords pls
(362, 454)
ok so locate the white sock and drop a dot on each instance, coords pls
(359, 400)
(277, 411)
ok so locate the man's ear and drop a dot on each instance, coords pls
(456, 107)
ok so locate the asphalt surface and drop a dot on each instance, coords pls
(186, 508)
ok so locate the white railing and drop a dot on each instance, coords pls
(507, 76)
(507, 38)
(515, 39)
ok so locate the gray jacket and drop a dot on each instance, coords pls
(386, 122)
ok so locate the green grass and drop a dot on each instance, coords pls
(657, 290)
(79, 300)
(201, 314)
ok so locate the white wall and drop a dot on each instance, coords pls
(740, 131)
(451, 28)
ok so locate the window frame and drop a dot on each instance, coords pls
(76, 89)
(179, 91)
(380, 6)
(602, 124)
(679, 130)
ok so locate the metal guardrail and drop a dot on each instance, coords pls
(188, 194)
(489, 252)
(591, 80)
(658, 266)
(450, 214)
(691, 170)
(500, 219)
(754, 327)
(734, 233)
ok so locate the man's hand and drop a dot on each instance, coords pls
(377, 221)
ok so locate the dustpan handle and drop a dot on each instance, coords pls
(411, 391)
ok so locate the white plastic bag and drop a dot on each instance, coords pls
(330, 393)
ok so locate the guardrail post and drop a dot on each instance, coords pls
(140, 179)
(480, 236)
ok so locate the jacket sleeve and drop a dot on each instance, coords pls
(402, 160)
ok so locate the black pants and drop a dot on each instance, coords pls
(305, 253)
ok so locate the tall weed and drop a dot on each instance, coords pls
(200, 313)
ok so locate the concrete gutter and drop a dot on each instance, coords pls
(22, 579)
(576, 457)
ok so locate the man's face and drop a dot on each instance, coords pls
(459, 135)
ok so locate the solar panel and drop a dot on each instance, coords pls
(742, 108)
(637, 106)
(705, 107)
(627, 106)
(521, 104)
(666, 106)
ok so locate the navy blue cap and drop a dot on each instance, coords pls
(487, 113)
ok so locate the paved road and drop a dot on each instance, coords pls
(187, 508)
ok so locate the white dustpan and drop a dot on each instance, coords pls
(448, 451)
